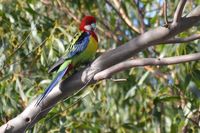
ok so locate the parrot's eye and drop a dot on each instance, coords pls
(93, 25)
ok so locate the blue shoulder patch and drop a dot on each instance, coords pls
(80, 45)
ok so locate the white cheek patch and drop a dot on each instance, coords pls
(88, 27)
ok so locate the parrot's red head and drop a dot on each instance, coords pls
(88, 24)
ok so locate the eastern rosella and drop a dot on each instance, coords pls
(82, 47)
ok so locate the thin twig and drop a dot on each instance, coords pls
(179, 11)
(165, 13)
(122, 15)
(182, 40)
(21, 44)
(118, 80)
(140, 16)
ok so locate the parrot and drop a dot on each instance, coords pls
(80, 50)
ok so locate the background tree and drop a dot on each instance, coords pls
(151, 98)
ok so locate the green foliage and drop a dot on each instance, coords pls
(34, 34)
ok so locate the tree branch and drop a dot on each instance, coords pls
(33, 114)
(122, 15)
(165, 12)
(182, 40)
(145, 62)
(179, 10)
(140, 16)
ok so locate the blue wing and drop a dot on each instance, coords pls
(79, 46)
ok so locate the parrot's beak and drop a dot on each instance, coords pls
(93, 29)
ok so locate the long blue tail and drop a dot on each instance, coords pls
(51, 86)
